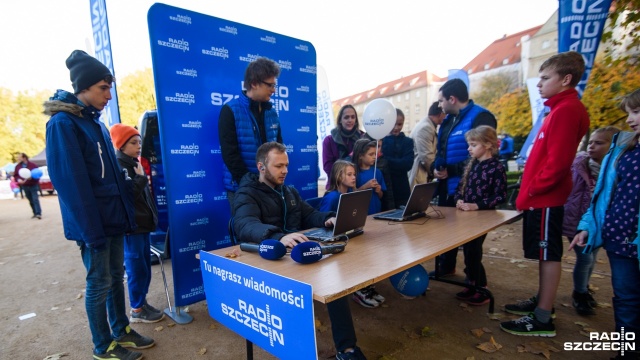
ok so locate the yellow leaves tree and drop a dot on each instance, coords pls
(513, 112)
(606, 87)
(136, 94)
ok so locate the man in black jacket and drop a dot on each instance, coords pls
(265, 208)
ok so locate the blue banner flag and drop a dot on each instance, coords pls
(580, 24)
(460, 74)
(102, 42)
(199, 63)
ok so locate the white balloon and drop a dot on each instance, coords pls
(379, 118)
(24, 173)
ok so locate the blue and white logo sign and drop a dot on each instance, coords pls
(199, 63)
(273, 312)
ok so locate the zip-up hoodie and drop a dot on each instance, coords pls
(95, 195)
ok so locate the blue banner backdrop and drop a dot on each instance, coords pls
(102, 42)
(198, 64)
(580, 24)
(271, 311)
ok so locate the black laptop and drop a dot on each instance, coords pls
(352, 214)
(417, 205)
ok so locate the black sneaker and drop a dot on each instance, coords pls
(443, 274)
(145, 315)
(151, 308)
(117, 352)
(465, 294)
(529, 326)
(356, 354)
(525, 307)
(581, 303)
(592, 302)
(479, 298)
(131, 339)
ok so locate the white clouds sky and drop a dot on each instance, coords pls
(360, 44)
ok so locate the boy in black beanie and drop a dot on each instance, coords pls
(95, 201)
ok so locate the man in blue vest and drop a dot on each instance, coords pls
(452, 154)
(247, 122)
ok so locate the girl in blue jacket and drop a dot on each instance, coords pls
(612, 219)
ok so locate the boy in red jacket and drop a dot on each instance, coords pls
(546, 184)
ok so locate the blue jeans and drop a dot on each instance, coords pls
(104, 299)
(137, 262)
(625, 279)
(583, 269)
(31, 192)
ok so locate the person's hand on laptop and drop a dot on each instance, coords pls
(330, 222)
(293, 239)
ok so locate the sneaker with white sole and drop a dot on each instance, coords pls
(365, 298)
(145, 315)
(374, 294)
(152, 309)
(117, 352)
(525, 307)
(131, 339)
(529, 326)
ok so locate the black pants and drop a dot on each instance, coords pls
(344, 335)
(473, 261)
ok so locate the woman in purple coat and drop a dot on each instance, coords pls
(339, 144)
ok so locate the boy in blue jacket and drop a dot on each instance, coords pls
(96, 201)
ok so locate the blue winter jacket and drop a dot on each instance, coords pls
(248, 134)
(451, 136)
(95, 195)
(593, 220)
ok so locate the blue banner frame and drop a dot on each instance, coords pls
(199, 63)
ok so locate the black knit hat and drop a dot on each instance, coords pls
(85, 70)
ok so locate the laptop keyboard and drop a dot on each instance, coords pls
(320, 233)
(397, 214)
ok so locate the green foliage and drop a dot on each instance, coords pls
(624, 19)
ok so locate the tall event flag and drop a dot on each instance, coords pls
(460, 74)
(325, 115)
(199, 63)
(102, 42)
(580, 25)
(537, 103)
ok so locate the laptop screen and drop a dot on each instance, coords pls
(352, 213)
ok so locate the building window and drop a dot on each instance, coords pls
(417, 93)
(505, 61)
(546, 44)
(487, 66)
(418, 109)
(406, 95)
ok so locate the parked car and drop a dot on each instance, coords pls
(45, 181)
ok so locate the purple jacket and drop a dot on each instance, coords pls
(334, 148)
(580, 196)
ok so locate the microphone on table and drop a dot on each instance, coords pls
(269, 249)
(310, 251)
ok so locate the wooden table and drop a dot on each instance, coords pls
(385, 248)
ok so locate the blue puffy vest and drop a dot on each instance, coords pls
(248, 134)
(457, 146)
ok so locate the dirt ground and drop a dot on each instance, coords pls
(41, 273)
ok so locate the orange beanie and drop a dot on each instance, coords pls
(121, 133)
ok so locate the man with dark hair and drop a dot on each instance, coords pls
(247, 122)
(29, 185)
(96, 201)
(452, 154)
(425, 139)
(265, 208)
